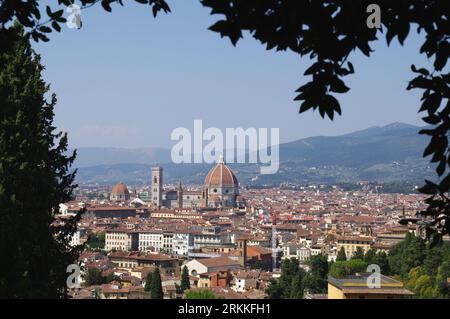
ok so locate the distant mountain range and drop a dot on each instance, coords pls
(392, 153)
(375, 145)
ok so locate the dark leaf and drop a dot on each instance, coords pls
(338, 86)
(56, 26)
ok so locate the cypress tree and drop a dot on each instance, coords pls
(156, 291)
(34, 180)
(148, 282)
(383, 262)
(185, 282)
(370, 256)
(297, 284)
(358, 254)
(316, 279)
(341, 255)
(285, 280)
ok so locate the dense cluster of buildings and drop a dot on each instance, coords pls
(229, 245)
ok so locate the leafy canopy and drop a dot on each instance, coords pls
(291, 282)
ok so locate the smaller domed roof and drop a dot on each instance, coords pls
(120, 189)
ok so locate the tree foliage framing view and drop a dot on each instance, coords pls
(34, 180)
(326, 31)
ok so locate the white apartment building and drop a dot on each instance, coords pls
(316, 250)
(206, 238)
(202, 240)
(302, 253)
(182, 243)
(167, 242)
(150, 240)
(156, 240)
(120, 239)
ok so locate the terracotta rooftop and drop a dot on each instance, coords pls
(218, 262)
(221, 176)
(120, 189)
(139, 256)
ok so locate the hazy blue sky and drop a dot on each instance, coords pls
(127, 80)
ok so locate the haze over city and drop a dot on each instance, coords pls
(127, 80)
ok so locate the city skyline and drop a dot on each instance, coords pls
(188, 172)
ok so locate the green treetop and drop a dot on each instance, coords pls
(185, 282)
(358, 254)
(341, 255)
(156, 291)
(148, 282)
